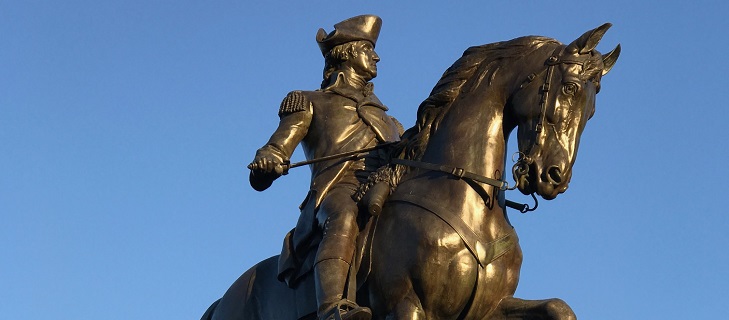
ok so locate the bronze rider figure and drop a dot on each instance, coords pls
(343, 115)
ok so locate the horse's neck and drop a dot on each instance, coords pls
(471, 137)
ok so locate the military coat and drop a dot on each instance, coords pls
(333, 120)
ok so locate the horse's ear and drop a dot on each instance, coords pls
(609, 59)
(588, 41)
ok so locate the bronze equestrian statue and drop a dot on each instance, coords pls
(442, 247)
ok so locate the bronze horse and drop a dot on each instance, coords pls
(443, 246)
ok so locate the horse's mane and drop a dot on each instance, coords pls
(476, 64)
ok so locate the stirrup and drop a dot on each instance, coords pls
(346, 310)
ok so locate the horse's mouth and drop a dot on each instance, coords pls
(549, 184)
(548, 191)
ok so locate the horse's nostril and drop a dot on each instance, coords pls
(554, 175)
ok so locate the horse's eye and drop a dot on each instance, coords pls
(569, 88)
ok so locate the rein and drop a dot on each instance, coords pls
(461, 173)
(456, 172)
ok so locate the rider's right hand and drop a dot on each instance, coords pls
(267, 163)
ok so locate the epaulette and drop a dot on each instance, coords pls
(400, 128)
(295, 101)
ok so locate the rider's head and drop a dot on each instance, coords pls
(358, 56)
(351, 46)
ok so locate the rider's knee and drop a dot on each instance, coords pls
(337, 211)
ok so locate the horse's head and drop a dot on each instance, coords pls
(551, 107)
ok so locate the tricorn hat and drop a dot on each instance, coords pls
(364, 27)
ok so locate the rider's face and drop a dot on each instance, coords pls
(365, 64)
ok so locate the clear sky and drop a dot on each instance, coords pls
(125, 128)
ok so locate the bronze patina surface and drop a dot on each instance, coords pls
(441, 246)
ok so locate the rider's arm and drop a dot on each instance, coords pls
(295, 113)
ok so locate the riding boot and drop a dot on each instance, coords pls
(331, 278)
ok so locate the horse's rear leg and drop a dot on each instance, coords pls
(518, 309)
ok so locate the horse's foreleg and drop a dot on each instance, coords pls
(409, 308)
(518, 309)
(397, 300)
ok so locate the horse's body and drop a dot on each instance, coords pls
(443, 246)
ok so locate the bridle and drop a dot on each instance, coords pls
(520, 170)
(553, 60)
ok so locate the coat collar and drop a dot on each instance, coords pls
(363, 96)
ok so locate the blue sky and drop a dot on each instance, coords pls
(125, 128)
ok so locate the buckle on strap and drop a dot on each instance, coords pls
(458, 172)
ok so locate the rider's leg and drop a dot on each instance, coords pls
(337, 217)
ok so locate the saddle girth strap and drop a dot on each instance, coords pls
(484, 252)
